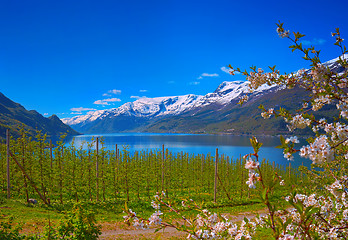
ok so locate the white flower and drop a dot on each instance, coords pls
(252, 179)
(219, 227)
(138, 223)
(251, 165)
(155, 205)
(287, 237)
(199, 233)
(345, 214)
(319, 151)
(298, 122)
(133, 213)
(243, 99)
(334, 188)
(233, 230)
(205, 234)
(292, 139)
(265, 115)
(155, 219)
(288, 156)
(282, 33)
(320, 101)
(213, 218)
(268, 113)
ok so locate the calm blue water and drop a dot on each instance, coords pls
(232, 146)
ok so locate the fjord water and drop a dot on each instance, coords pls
(229, 145)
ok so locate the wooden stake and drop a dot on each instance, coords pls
(8, 163)
(223, 187)
(23, 162)
(89, 175)
(115, 173)
(127, 160)
(216, 173)
(162, 167)
(167, 169)
(202, 169)
(242, 182)
(51, 154)
(31, 181)
(97, 169)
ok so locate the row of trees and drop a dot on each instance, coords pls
(64, 173)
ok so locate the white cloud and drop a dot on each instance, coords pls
(80, 109)
(45, 114)
(143, 90)
(315, 41)
(194, 83)
(100, 102)
(228, 70)
(209, 75)
(77, 113)
(114, 91)
(107, 101)
(225, 69)
(110, 92)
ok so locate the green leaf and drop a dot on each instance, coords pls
(272, 68)
(282, 139)
(255, 144)
(262, 107)
(264, 193)
(246, 220)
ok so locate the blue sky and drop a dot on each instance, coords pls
(64, 57)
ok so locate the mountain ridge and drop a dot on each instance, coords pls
(14, 116)
(146, 111)
(215, 112)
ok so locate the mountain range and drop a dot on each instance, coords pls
(14, 116)
(216, 112)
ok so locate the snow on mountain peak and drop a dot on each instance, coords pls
(161, 106)
(89, 117)
(343, 56)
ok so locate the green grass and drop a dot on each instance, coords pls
(110, 214)
(112, 211)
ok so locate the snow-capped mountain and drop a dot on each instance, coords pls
(214, 112)
(334, 65)
(170, 106)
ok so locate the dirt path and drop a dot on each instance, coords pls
(168, 233)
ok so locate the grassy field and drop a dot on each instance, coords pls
(109, 214)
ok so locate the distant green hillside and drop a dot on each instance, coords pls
(13, 116)
(236, 119)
